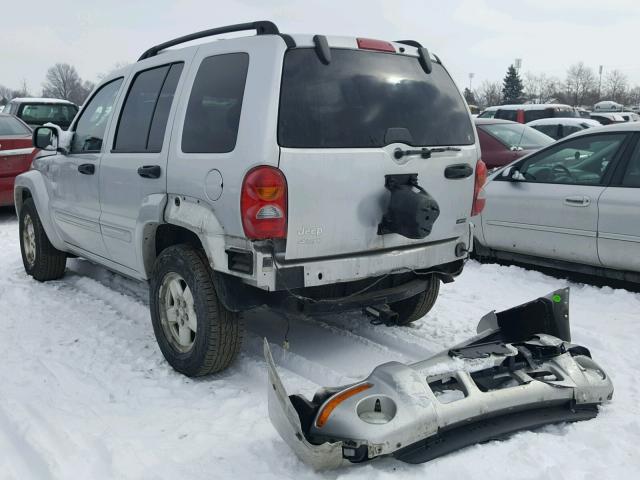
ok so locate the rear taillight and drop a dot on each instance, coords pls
(263, 203)
(372, 44)
(478, 193)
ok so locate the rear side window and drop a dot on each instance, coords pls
(368, 99)
(11, 126)
(213, 113)
(40, 113)
(143, 119)
(632, 174)
(537, 114)
(507, 115)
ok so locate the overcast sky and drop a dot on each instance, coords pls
(479, 36)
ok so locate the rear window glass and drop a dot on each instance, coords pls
(516, 135)
(368, 99)
(11, 126)
(40, 113)
(213, 113)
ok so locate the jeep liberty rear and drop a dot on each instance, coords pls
(306, 173)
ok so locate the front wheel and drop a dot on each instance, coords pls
(196, 333)
(414, 308)
(40, 258)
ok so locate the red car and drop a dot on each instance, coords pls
(502, 141)
(16, 154)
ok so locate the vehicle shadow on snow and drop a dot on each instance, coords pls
(7, 214)
(328, 350)
(573, 277)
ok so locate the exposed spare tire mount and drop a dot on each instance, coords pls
(411, 211)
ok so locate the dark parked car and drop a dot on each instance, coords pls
(38, 111)
(502, 141)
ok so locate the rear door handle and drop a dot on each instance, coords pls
(577, 201)
(87, 168)
(459, 170)
(150, 171)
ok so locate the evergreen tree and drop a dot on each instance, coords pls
(469, 96)
(512, 88)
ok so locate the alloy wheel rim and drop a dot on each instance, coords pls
(29, 240)
(177, 312)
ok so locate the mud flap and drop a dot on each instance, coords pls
(286, 421)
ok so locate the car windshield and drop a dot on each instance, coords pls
(11, 126)
(368, 99)
(514, 135)
(40, 113)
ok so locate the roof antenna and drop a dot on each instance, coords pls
(322, 48)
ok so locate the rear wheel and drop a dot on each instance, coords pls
(414, 308)
(41, 260)
(196, 333)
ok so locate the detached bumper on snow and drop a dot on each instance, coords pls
(519, 372)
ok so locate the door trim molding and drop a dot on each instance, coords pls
(543, 228)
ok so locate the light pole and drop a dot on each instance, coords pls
(517, 64)
(471, 75)
(599, 81)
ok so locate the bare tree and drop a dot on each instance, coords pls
(633, 96)
(63, 81)
(616, 86)
(6, 94)
(540, 88)
(489, 94)
(580, 83)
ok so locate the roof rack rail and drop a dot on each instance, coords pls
(411, 43)
(263, 27)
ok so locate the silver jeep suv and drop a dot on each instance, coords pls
(307, 173)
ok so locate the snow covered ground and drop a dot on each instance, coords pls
(85, 392)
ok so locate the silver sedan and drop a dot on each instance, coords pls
(575, 205)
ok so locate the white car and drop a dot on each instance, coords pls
(558, 128)
(574, 205)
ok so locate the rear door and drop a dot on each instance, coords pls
(553, 212)
(340, 125)
(619, 219)
(133, 169)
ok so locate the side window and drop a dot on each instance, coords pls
(143, 119)
(581, 161)
(551, 130)
(90, 128)
(632, 174)
(507, 115)
(213, 113)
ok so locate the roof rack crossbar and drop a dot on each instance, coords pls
(262, 27)
(411, 43)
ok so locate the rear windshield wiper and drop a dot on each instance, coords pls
(424, 152)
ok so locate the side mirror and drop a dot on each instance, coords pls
(45, 138)
(512, 174)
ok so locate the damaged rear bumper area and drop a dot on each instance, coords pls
(520, 372)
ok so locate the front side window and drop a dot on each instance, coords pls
(213, 113)
(368, 99)
(143, 120)
(581, 161)
(11, 126)
(92, 124)
(516, 136)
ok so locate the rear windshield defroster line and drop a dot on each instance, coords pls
(368, 99)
